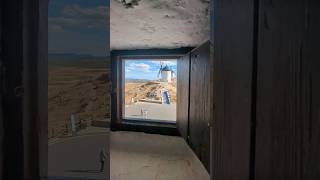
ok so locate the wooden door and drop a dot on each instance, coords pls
(288, 91)
(183, 72)
(199, 114)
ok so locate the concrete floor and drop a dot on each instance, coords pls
(133, 156)
(139, 156)
(78, 157)
(155, 111)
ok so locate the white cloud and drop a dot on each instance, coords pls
(127, 70)
(76, 16)
(138, 67)
(63, 22)
(99, 12)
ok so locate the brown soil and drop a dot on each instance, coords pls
(149, 90)
(81, 91)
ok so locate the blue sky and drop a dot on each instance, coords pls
(146, 69)
(79, 26)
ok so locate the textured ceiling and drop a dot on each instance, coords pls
(144, 24)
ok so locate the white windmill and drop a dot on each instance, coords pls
(166, 73)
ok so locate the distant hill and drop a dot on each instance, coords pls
(138, 80)
(73, 57)
(78, 60)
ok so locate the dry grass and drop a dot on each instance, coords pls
(84, 92)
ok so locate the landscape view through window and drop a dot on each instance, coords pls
(150, 90)
(79, 86)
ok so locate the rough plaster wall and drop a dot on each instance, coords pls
(137, 24)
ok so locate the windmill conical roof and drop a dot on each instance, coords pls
(166, 68)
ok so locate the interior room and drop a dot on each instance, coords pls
(159, 90)
(160, 59)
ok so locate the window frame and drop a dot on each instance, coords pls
(122, 77)
(118, 122)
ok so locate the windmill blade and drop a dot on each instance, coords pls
(161, 64)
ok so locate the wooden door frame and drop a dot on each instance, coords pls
(233, 38)
(24, 70)
(183, 66)
(199, 123)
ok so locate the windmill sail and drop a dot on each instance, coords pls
(160, 70)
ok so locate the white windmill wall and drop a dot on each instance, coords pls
(166, 76)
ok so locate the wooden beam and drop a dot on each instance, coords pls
(233, 38)
(152, 52)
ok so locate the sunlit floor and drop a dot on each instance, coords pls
(140, 156)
